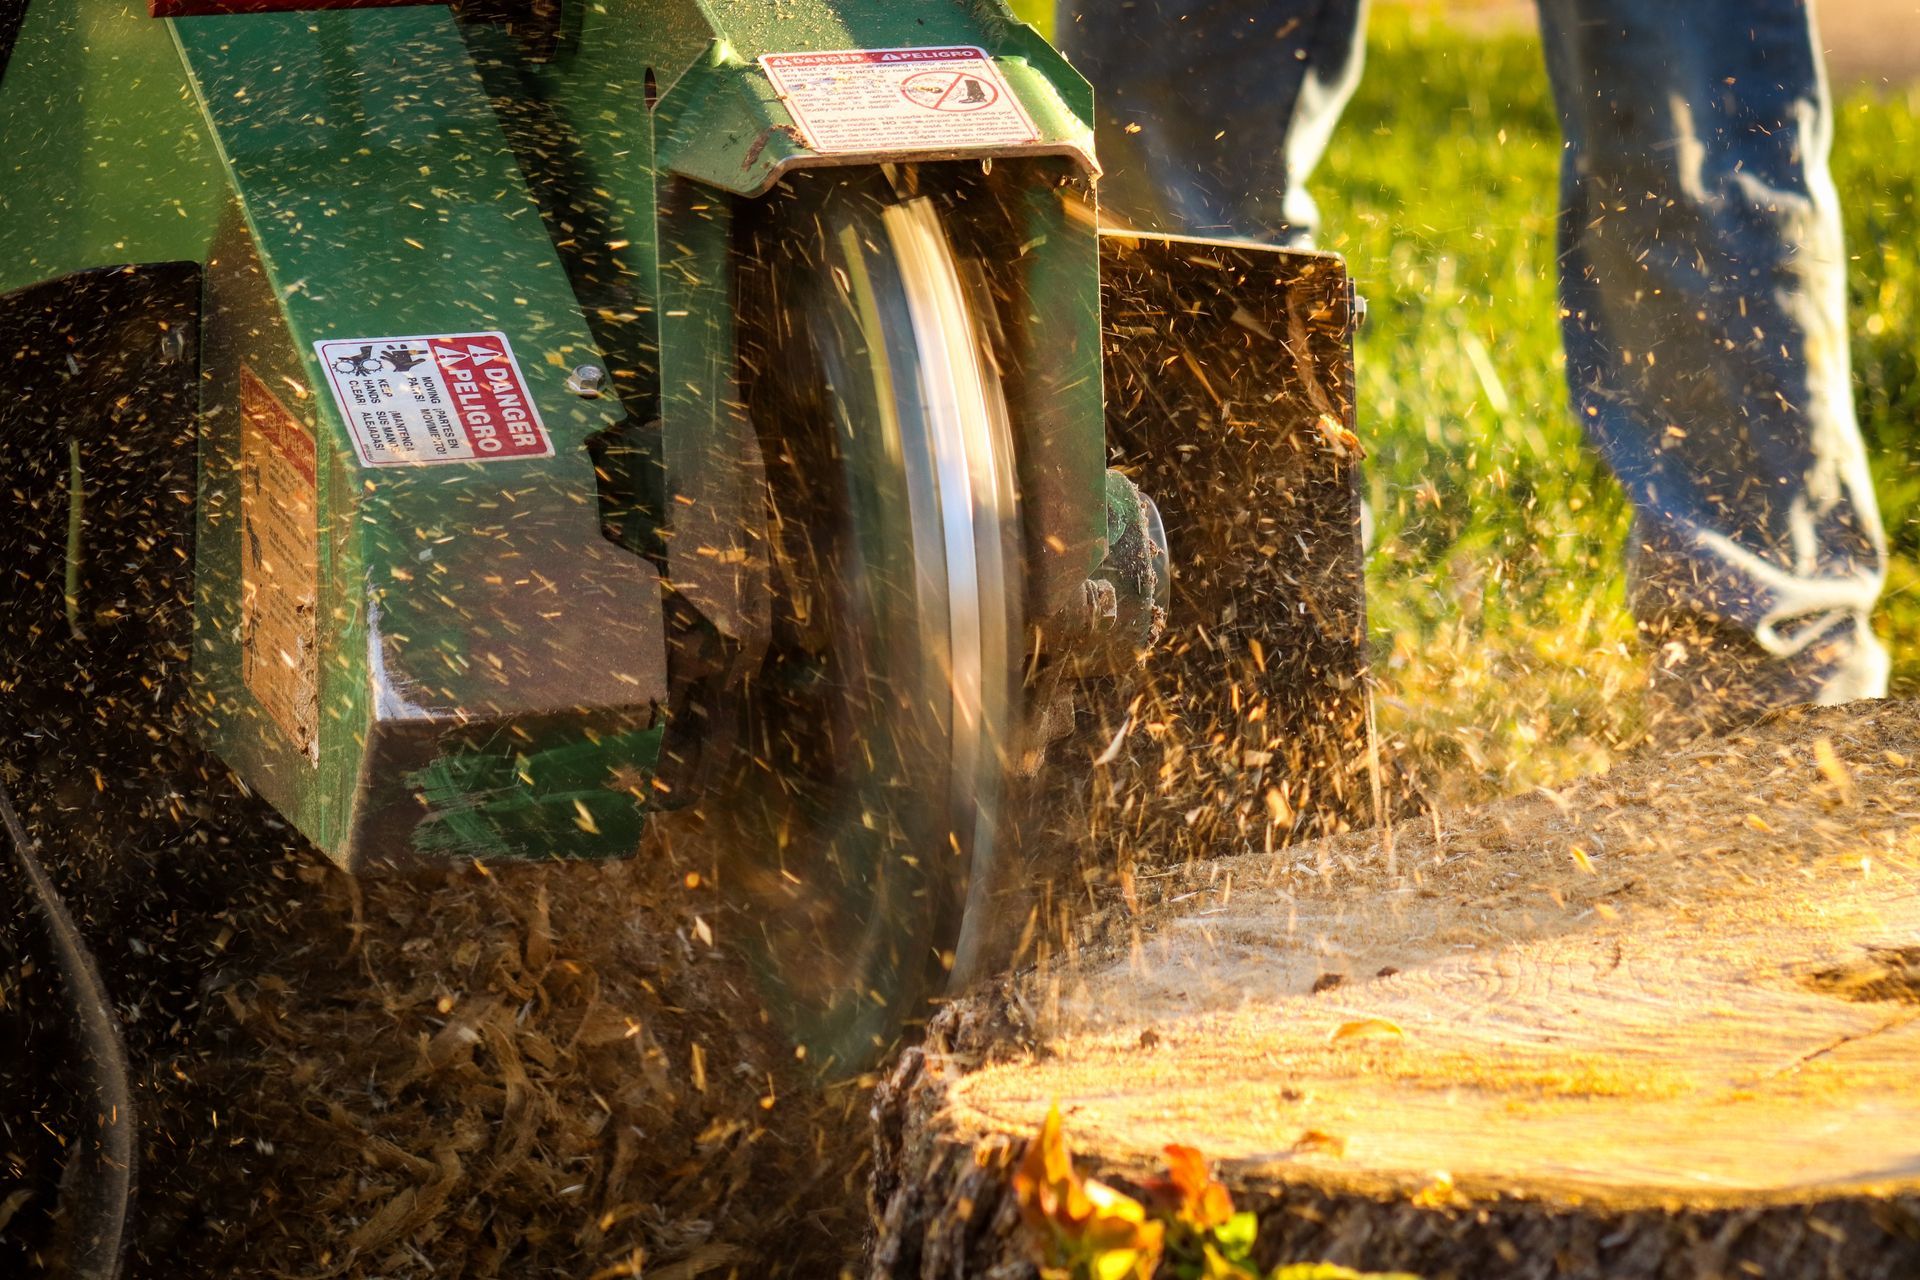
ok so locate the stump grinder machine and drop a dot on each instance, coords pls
(489, 428)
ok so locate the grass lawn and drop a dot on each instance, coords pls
(1503, 644)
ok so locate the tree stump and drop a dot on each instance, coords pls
(1663, 1023)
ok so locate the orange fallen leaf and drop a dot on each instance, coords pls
(1189, 1191)
(1079, 1226)
(1320, 1140)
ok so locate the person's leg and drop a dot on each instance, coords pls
(1211, 113)
(1704, 313)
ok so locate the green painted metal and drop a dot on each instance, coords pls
(710, 452)
(490, 667)
(580, 126)
(104, 158)
(520, 801)
(722, 123)
(654, 109)
(1040, 14)
(470, 614)
(650, 256)
(1059, 379)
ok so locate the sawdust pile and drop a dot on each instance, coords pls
(1831, 791)
(518, 1070)
(514, 1071)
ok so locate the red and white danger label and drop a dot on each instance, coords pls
(899, 100)
(440, 398)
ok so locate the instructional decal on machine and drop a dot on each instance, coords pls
(279, 563)
(859, 100)
(442, 398)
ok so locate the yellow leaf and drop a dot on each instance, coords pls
(1363, 1027)
(1436, 1194)
(1829, 761)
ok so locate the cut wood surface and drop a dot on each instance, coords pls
(1675, 1008)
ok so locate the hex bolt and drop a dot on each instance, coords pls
(173, 344)
(586, 380)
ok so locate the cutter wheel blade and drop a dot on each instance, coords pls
(864, 806)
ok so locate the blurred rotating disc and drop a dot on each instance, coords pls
(864, 809)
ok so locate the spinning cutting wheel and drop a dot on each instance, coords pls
(876, 743)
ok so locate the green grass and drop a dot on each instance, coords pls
(1497, 599)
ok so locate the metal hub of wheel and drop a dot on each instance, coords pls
(878, 733)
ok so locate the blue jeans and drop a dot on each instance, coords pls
(1702, 287)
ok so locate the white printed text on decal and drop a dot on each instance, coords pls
(899, 100)
(439, 398)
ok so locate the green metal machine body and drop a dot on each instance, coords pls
(492, 424)
(451, 658)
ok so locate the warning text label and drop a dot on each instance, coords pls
(899, 100)
(438, 398)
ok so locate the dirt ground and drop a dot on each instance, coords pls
(1866, 41)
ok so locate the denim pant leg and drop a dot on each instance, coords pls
(1211, 113)
(1704, 310)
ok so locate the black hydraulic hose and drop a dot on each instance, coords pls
(95, 1204)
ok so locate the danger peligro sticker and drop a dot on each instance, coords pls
(899, 100)
(456, 397)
